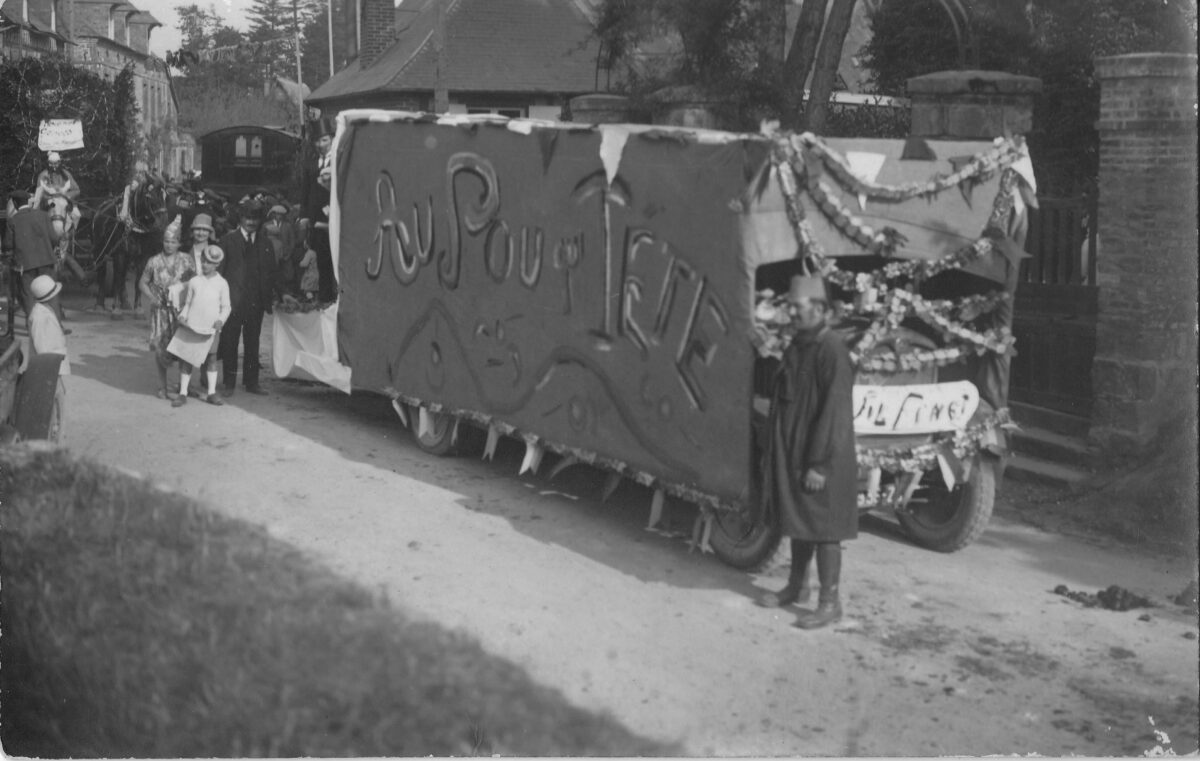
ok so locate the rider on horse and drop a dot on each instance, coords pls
(56, 193)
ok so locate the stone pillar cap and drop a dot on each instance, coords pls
(973, 82)
(1146, 65)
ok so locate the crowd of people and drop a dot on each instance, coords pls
(207, 296)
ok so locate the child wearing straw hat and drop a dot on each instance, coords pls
(46, 334)
(206, 307)
(162, 284)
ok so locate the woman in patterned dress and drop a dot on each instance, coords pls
(163, 271)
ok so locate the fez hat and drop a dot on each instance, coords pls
(53, 158)
(214, 255)
(204, 222)
(807, 287)
(172, 230)
(44, 288)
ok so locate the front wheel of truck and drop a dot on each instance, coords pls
(741, 543)
(438, 436)
(946, 520)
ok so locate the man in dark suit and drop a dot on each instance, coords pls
(249, 268)
(27, 236)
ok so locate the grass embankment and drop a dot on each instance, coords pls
(138, 623)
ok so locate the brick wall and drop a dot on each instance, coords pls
(1144, 373)
(378, 29)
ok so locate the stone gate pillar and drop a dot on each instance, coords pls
(972, 105)
(1144, 372)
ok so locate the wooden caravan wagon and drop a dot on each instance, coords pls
(236, 160)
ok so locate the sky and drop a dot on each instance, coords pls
(166, 37)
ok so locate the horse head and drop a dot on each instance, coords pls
(148, 206)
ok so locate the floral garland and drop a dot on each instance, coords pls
(774, 326)
(977, 170)
(963, 444)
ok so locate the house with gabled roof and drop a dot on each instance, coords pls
(32, 29)
(522, 58)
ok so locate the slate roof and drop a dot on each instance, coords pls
(511, 46)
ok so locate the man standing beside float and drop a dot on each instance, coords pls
(249, 268)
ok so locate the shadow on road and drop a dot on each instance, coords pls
(566, 511)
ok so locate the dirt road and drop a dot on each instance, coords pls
(969, 653)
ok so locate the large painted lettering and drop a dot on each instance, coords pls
(603, 316)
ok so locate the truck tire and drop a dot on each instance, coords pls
(742, 544)
(440, 440)
(948, 520)
(40, 399)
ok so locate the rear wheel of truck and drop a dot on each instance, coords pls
(742, 543)
(946, 520)
(438, 438)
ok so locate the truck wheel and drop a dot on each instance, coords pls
(946, 520)
(439, 440)
(741, 543)
(40, 399)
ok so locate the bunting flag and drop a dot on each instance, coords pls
(242, 51)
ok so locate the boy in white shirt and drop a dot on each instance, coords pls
(205, 309)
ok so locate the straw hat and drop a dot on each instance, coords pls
(279, 209)
(214, 255)
(44, 288)
(204, 222)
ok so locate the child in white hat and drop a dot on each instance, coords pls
(46, 334)
(206, 307)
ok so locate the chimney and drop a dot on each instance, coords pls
(25, 11)
(378, 30)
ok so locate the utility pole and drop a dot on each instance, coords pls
(329, 17)
(299, 70)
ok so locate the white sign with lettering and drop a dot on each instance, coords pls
(924, 408)
(60, 134)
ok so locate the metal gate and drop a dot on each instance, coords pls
(1055, 311)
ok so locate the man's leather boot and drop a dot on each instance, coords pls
(829, 571)
(797, 586)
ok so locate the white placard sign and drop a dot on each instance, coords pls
(924, 408)
(60, 134)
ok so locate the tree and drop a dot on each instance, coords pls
(228, 89)
(271, 22)
(1055, 40)
(34, 89)
(315, 47)
(732, 50)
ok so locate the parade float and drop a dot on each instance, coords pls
(611, 295)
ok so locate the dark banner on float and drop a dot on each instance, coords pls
(504, 274)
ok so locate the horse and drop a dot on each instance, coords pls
(116, 245)
(64, 220)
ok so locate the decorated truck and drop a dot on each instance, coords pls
(609, 295)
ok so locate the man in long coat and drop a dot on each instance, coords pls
(249, 268)
(810, 466)
(28, 236)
